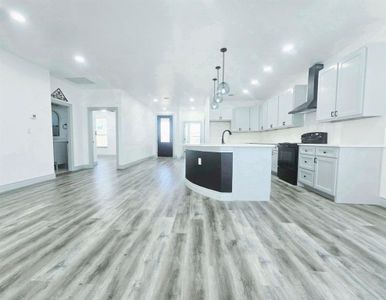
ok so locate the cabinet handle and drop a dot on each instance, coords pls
(332, 114)
(249, 129)
(283, 123)
(324, 152)
(315, 160)
(271, 125)
(336, 113)
(304, 176)
(239, 129)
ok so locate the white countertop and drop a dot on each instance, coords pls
(228, 147)
(342, 146)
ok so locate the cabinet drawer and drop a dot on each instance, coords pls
(307, 150)
(328, 152)
(306, 162)
(306, 177)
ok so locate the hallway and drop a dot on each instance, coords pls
(140, 234)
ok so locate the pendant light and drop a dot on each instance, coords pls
(223, 87)
(214, 104)
(218, 98)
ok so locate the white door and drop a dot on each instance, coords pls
(192, 133)
(215, 131)
(325, 174)
(254, 118)
(327, 93)
(273, 105)
(351, 82)
(285, 105)
(240, 121)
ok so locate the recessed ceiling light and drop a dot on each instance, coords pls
(80, 59)
(267, 69)
(245, 91)
(164, 108)
(255, 82)
(18, 17)
(289, 48)
(155, 100)
(191, 99)
(192, 108)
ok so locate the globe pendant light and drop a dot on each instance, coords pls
(214, 104)
(223, 87)
(218, 98)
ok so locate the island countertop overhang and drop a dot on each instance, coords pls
(226, 147)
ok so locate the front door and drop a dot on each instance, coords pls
(165, 136)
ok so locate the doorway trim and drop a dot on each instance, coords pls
(90, 130)
(70, 146)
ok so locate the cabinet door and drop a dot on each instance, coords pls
(325, 174)
(351, 82)
(263, 116)
(254, 118)
(327, 93)
(214, 115)
(240, 121)
(285, 105)
(226, 114)
(273, 105)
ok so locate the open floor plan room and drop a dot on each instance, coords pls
(193, 149)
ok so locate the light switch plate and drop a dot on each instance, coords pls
(199, 161)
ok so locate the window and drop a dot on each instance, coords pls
(55, 124)
(165, 130)
(101, 132)
(192, 133)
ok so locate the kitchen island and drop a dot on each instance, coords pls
(229, 172)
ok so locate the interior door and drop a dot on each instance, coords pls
(327, 93)
(165, 136)
(351, 85)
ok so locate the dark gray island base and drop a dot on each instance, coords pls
(211, 170)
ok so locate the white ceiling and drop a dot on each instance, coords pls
(156, 49)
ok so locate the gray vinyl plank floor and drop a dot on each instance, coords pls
(140, 234)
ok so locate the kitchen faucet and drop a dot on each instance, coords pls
(222, 138)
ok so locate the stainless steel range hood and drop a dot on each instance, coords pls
(312, 94)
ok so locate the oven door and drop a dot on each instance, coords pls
(288, 157)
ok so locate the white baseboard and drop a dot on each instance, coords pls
(382, 202)
(125, 166)
(17, 185)
(82, 167)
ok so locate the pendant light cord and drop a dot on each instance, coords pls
(223, 65)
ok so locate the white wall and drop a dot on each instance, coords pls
(111, 132)
(26, 152)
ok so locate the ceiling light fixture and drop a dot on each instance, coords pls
(191, 99)
(267, 69)
(223, 88)
(289, 48)
(245, 91)
(218, 96)
(80, 59)
(155, 100)
(255, 82)
(18, 17)
(214, 104)
(192, 108)
(164, 108)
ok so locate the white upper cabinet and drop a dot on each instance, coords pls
(220, 114)
(287, 102)
(349, 101)
(254, 118)
(240, 120)
(263, 116)
(355, 87)
(273, 107)
(327, 85)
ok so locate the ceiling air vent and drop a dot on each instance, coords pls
(80, 80)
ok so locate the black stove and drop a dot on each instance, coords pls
(287, 164)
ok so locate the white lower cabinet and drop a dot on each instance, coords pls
(348, 174)
(275, 156)
(325, 174)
